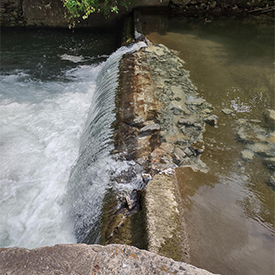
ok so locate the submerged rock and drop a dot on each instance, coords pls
(247, 154)
(227, 111)
(251, 133)
(271, 138)
(259, 142)
(261, 149)
(271, 181)
(269, 163)
(211, 120)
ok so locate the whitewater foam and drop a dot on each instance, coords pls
(40, 134)
(44, 135)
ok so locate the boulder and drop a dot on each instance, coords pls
(227, 111)
(211, 120)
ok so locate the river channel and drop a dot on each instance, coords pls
(229, 211)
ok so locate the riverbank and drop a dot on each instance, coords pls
(210, 9)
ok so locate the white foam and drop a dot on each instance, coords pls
(72, 58)
(38, 145)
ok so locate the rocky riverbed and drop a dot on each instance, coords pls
(259, 141)
(183, 113)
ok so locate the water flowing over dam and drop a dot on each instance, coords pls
(45, 101)
(90, 176)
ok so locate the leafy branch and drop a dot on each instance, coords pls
(76, 9)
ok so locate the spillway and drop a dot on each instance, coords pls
(56, 110)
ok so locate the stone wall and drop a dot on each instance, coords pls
(50, 13)
(11, 13)
(221, 7)
(45, 13)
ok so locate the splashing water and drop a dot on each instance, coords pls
(41, 126)
(90, 176)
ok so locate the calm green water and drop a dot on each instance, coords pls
(230, 210)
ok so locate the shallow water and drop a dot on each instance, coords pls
(229, 210)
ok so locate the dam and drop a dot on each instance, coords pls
(66, 141)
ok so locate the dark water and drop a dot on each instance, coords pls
(229, 210)
(47, 54)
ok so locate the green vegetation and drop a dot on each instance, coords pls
(77, 9)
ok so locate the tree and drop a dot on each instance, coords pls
(77, 9)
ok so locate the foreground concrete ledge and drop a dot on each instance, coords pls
(90, 259)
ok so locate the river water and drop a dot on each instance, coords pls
(47, 85)
(229, 211)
